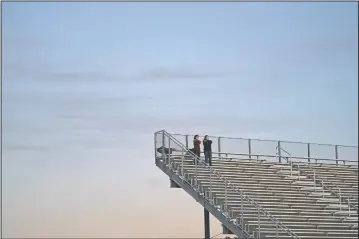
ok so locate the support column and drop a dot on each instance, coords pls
(207, 233)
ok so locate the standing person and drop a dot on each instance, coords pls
(207, 148)
(196, 145)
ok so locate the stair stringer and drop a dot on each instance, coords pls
(236, 229)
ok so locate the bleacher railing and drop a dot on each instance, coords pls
(301, 151)
(172, 149)
(325, 188)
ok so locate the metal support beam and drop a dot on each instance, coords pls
(207, 231)
(173, 184)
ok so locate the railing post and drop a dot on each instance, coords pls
(225, 195)
(250, 148)
(219, 147)
(308, 154)
(259, 223)
(196, 170)
(340, 199)
(163, 148)
(210, 184)
(336, 154)
(169, 152)
(186, 141)
(291, 168)
(323, 188)
(314, 181)
(349, 204)
(242, 221)
(298, 171)
(182, 164)
(279, 152)
(155, 138)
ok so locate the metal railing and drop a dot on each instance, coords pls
(315, 181)
(173, 145)
(302, 151)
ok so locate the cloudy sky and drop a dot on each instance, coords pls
(85, 85)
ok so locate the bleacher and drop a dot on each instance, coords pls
(259, 198)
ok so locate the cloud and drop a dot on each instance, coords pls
(160, 73)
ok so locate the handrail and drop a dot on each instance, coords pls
(329, 188)
(275, 140)
(234, 187)
(279, 149)
(315, 180)
(293, 157)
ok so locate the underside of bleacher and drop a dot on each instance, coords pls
(258, 198)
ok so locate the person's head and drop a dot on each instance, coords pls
(196, 136)
(206, 137)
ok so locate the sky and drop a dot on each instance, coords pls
(85, 86)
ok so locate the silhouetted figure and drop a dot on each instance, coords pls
(196, 145)
(207, 148)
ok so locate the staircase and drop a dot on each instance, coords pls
(257, 199)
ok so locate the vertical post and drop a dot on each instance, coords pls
(259, 223)
(314, 182)
(279, 152)
(323, 188)
(182, 164)
(225, 194)
(196, 171)
(340, 199)
(336, 153)
(298, 171)
(308, 154)
(349, 204)
(163, 148)
(242, 221)
(291, 168)
(210, 184)
(155, 141)
(250, 148)
(186, 141)
(206, 225)
(219, 147)
(169, 152)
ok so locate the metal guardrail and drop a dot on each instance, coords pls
(324, 187)
(275, 156)
(304, 151)
(227, 211)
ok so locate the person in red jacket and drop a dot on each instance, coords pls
(196, 145)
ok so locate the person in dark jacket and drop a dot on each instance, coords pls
(196, 145)
(207, 148)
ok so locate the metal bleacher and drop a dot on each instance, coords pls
(267, 196)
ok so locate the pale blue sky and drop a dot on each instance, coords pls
(85, 85)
